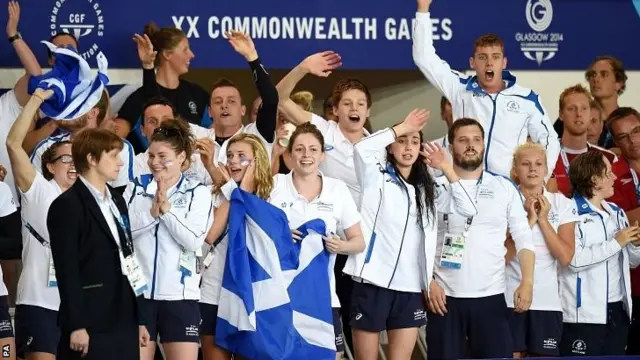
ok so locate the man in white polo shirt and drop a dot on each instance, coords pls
(466, 298)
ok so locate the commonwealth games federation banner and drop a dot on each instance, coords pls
(539, 34)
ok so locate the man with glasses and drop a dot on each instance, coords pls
(624, 126)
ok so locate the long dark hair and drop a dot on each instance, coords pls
(423, 183)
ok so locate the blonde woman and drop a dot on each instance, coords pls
(281, 162)
(248, 167)
(552, 218)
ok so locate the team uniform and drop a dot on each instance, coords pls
(38, 299)
(7, 208)
(596, 287)
(196, 171)
(334, 206)
(538, 331)
(127, 156)
(397, 263)
(167, 248)
(563, 164)
(507, 117)
(470, 268)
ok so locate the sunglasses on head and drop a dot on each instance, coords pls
(166, 132)
(65, 159)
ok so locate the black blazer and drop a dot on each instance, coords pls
(94, 294)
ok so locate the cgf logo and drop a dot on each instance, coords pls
(539, 45)
(6, 351)
(84, 20)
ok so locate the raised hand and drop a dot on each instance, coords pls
(145, 51)
(207, 149)
(14, 18)
(242, 44)
(322, 63)
(424, 5)
(434, 155)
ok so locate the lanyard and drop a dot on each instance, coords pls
(636, 184)
(467, 224)
(35, 234)
(565, 159)
(127, 246)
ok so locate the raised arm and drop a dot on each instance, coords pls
(319, 64)
(23, 170)
(268, 111)
(190, 229)
(588, 256)
(25, 54)
(561, 244)
(451, 195)
(220, 221)
(436, 70)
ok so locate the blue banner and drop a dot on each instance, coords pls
(538, 34)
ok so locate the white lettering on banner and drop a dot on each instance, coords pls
(306, 28)
(80, 25)
(539, 46)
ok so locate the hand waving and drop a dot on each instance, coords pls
(434, 155)
(14, 18)
(242, 44)
(322, 64)
(145, 51)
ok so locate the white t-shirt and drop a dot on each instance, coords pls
(334, 206)
(545, 278)
(482, 272)
(7, 207)
(338, 162)
(211, 282)
(10, 109)
(33, 286)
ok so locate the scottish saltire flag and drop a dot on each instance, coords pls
(275, 302)
(76, 89)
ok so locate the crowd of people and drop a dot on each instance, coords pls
(513, 235)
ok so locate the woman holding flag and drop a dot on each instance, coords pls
(37, 331)
(397, 265)
(248, 166)
(170, 217)
(306, 194)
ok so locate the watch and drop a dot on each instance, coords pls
(15, 37)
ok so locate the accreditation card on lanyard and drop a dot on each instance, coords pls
(452, 254)
(130, 266)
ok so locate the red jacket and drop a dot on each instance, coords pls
(626, 198)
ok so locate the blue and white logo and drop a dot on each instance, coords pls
(539, 45)
(84, 20)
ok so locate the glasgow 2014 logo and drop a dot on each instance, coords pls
(539, 45)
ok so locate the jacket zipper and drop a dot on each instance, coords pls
(155, 265)
(493, 119)
(406, 222)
